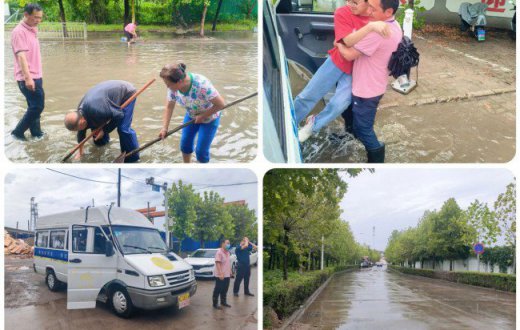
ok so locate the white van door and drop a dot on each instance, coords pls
(89, 269)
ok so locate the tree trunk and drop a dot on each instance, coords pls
(285, 252)
(411, 3)
(204, 11)
(309, 261)
(216, 16)
(63, 20)
(126, 17)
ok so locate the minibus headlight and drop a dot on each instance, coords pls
(156, 281)
(192, 273)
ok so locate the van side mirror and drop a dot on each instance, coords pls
(109, 248)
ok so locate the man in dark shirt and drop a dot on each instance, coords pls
(101, 106)
(243, 267)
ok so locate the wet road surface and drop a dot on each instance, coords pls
(379, 299)
(27, 298)
(70, 68)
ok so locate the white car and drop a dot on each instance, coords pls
(253, 256)
(203, 262)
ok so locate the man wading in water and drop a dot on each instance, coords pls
(101, 106)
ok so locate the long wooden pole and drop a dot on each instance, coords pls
(97, 130)
(123, 155)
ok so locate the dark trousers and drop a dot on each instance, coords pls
(364, 114)
(243, 272)
(35, 104)
(221, 287)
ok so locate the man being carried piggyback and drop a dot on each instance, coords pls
(370, 74)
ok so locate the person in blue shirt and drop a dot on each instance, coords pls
(243, 266)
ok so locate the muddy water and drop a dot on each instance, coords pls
(229, 60)
(378, 299)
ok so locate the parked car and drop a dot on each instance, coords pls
(300, 32)
(365, 264)
(114, 255)
(203, 262)
(253, 256)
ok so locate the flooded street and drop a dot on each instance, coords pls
(463, 109)
(27, 297)
(70, 68)
(380, 299)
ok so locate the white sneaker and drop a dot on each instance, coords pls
(306, 131)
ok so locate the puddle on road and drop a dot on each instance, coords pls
(229, 60)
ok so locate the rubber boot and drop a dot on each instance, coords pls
(22, 126)
(376, 155)
(35, 129)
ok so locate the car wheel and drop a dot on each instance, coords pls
(52, 282)
(121, 303)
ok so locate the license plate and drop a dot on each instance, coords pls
(184, 300)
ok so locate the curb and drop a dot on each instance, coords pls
(446, 99)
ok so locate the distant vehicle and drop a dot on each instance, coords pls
(114, 255)
(203, 262)
(253, 256)
(379, 264)
(365, 264)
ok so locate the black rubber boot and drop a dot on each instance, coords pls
(22, 126)
(376, 155)
(35, 128)
(348, 117)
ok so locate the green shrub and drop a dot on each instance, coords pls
(418, 21)
(504, 282)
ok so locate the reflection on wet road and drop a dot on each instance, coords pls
(229, 60)
(379, 299)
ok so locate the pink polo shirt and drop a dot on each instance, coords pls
(130, 27)
(222, 256)
(370, 72)
(24, 39)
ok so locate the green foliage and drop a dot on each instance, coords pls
(503, 282)
(182, 211)
(505, 210)
(245, 222)
(503, 256)
(484, 223)
(418, 20)
(213, 220)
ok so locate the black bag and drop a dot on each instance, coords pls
(403, 59)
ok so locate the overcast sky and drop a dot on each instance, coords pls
(55, 192)
(396, 198)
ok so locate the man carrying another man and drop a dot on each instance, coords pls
(28, 70)
(244, 269)
(100, 107)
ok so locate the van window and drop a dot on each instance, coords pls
(87, 239)
(57, 239)
(42, 239)
(318, 6)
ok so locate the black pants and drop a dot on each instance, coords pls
(221, 287)
(243, 272)
(35, 104)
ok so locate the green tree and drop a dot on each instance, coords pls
(244, 220)
(182, 209)
(483, 222)
(505, 210)
(213, 220)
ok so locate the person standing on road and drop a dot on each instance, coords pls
(370, 75)
(28, 70)
(100, 107)
(244, 267)
(202, 102)
(130, 33)
(222, 273)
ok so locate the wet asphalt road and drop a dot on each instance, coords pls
(30, 305)
(379, 299)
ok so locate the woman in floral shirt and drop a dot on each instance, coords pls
(202, 102)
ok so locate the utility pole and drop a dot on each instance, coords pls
(322, 251)
(156, 187)
(34, 215)
(119, 187)
(374, 237)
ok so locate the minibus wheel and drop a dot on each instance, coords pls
(52, 282)
(121, 303)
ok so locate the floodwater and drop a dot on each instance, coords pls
(464, 129)
(70, 68)
(378, 299)
(27, 298)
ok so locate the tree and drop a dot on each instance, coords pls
(205, 4)
(213, 220)
(182, 209)
(484, 223)
(505, 211)
(244, 221)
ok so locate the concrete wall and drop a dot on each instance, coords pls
(469, 264)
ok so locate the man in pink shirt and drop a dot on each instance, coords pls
(130, 33)
(222, 273)
(370, 75)
(28, 70)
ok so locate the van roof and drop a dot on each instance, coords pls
(96, 216)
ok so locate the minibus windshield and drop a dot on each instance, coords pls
(138, 240)
(204, 254)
